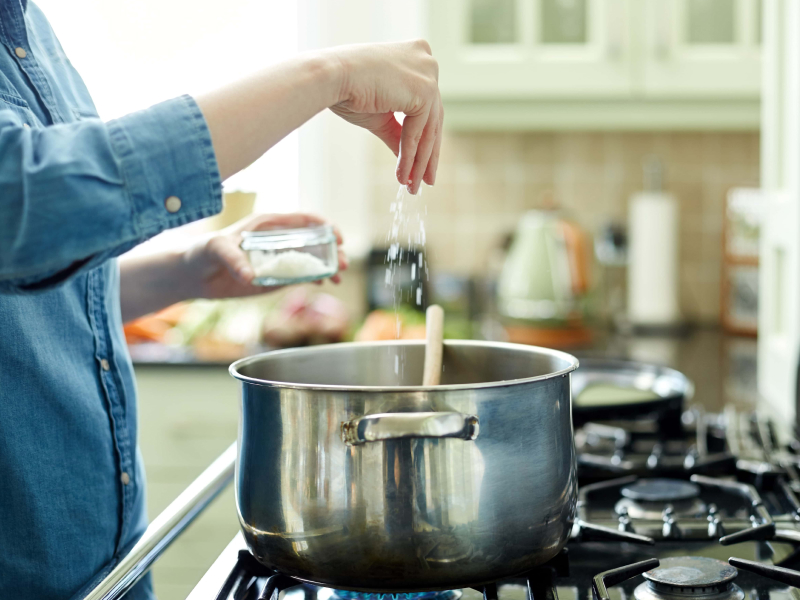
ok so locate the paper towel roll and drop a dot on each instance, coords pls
(653, 285)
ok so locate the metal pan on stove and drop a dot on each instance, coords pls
(608, 389)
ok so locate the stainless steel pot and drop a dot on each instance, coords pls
(350, 475)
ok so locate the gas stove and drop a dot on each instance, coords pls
(599, 569)
(660, 512)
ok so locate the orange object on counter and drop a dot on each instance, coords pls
(151, 328)
(579, 256)
(146, 329)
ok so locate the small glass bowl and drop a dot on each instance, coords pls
(288, 256)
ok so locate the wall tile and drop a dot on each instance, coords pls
(496, 148)
(487, 180)
(538, 149)
(459, 149)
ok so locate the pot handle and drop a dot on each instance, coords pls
(396, 426)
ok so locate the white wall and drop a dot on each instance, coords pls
(135, 54)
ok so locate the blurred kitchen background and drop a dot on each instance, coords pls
(602, 188)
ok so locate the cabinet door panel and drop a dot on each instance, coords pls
(528, 49)
(493, 22)
(701, 48)
(563, 22)
(710, 22)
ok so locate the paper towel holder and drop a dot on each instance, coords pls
(654, 267)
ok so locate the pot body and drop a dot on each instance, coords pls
(347, 482)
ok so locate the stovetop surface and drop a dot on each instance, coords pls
(749, 502)
(586, 560)
(698, 448)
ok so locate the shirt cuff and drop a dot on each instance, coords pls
(168, 163)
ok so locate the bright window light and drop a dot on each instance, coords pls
(135, 54)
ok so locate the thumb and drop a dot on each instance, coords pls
(235, 260)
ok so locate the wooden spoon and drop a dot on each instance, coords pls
(434, 332)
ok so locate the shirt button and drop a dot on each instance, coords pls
(20, 52)
(105, 364)
(125, 478)
(26, 126)
(173, 204)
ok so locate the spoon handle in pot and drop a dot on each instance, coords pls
(434, 332)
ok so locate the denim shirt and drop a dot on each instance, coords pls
(75, 192)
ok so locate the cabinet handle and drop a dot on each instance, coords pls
(616, 18)
(663, 16)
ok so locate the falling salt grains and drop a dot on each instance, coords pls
(407, 225)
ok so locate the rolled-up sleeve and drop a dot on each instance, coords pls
(73, 195)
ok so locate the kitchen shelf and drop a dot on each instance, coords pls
(602, 115)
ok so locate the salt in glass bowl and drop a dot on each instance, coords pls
(289, 256)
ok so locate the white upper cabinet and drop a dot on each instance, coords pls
(525, 48)
(604, 63)
(702, 48)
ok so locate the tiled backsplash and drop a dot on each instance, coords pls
(486, 181)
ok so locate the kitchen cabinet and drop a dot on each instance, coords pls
(598, 64)
(502, 49)
(702, 49)
(188, 416)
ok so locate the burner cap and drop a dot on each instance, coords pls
(661, 490)
(687, 577)
(692, 571)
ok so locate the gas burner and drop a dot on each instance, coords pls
(627, 448)
(685, 576)
(648, 498)
(661, 490)
(331, 594)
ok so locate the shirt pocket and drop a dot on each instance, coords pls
(20, 107)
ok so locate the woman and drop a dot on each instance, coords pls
(76, 192)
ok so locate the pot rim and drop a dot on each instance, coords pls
(571, 360)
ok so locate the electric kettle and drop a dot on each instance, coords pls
(546, 272)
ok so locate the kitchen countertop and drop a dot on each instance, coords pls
(721, 366)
